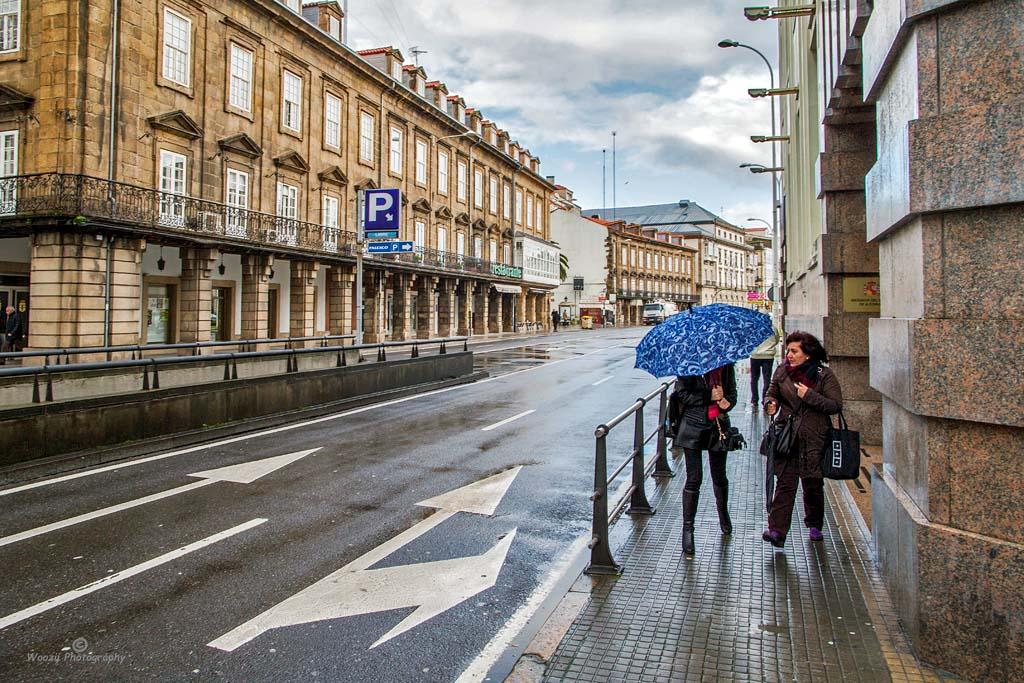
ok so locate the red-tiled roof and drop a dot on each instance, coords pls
(409, 67)
(433, 84)
(452, 98)
(375, 51)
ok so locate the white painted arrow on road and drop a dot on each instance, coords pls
(430, 587)
(244, 473)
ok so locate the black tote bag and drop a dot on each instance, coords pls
(840, 454)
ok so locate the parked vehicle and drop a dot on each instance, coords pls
(657, 311)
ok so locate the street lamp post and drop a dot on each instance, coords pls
(727, 43)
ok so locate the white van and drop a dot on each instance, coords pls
(657, 311)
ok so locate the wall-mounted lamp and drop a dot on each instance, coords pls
(271, 274)
(772, 92)
(769, 138)
(220, 268)
(764, 13)
(160, 263)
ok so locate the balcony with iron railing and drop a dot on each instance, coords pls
(87, 201)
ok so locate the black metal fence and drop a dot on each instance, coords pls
(601, 560)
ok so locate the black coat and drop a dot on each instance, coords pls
(813, 413)
(688, 411)
(13, 327)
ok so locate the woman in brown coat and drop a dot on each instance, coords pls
(809, 392)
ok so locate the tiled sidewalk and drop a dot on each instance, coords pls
(740, 610)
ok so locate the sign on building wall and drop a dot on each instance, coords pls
(502, 270)
(861, 295)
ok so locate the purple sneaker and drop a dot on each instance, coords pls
(773, 537)
(815, 534)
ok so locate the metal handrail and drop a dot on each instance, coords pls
(230, 362)
(601, 560)
(196, 347)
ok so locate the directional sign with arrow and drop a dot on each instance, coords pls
(244, 473)
(388, 247)
(430, 587)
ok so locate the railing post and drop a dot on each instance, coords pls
(662, 469)
(35, 388)
(49, 385)
(156, 375)
(601, 560)
(638, 504)
(415, 350)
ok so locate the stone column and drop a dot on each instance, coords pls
(195, 294)
(447, 316)
(425, 312)
(509, 310)
(463, 325)
(255, 285)
(340, 279)
(945, 205)
(373, 305)
(67, 293)
(523, 314)
(480, 305)
(302, 300)
(401, 293)
(494, 318)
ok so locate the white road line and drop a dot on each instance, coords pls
(507, 420)
(479, 667)
(602, 381)
(288, 427)
(71, 521)
(29, 612)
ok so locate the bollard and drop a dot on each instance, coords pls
(444, 349)
(415, 350)
(601, 560)
(638, 504)
(662, 469)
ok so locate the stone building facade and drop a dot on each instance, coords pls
(904, 229)
(184, 170)
(727, 269)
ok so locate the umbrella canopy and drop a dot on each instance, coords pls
(697, 341)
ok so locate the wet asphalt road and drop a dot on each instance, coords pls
(322, 511)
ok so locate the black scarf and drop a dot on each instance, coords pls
(807, 373)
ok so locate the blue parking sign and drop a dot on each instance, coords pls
(382, 212)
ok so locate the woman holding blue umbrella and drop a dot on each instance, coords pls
(703, 404)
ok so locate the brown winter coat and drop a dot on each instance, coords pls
(813, 413)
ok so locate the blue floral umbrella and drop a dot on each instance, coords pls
(697, 341)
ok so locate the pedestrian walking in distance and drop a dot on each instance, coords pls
(803, 389)
(12, 332)
(698, 408)
(555, 319)
(761, 361)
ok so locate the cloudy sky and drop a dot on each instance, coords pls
(561, 75)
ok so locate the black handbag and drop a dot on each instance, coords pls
(840, 454)
(779, 439)
(731, 438)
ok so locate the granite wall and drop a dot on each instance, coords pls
(945, 207)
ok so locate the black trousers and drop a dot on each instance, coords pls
(760, 368)
(695, 469)
(787, 477)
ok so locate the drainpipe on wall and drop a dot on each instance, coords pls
(115, 36)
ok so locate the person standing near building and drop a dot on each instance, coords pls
(555, 319)
(12, 331)
(761, 361)
(701, 407)
(802, 389)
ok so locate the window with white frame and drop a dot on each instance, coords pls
(625, 255)
(366, 136)
(395, 145)
(240, 85)
(291, 105)
(334, 27)
(10, 25)
(506, 255)
(493, 194)
(177, 47)
(332, 121)
(540, 214)
(493, 251)
(506, 201)
(396, 70)
(460, 244)
(330, 220)
(478, 188)
(519, 207)
(648, 260)
(421, 162)
(478, 247)
(172, 188)
(419, 236)
(442, 171)
(442, 240)
(236, 196)
(632, 257)
(529, 210)
(287, 201)
(8, 169)
(460, 180)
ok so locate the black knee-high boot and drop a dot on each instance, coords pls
(689, 513)
(722, 502)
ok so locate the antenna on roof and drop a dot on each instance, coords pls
(416, 52)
